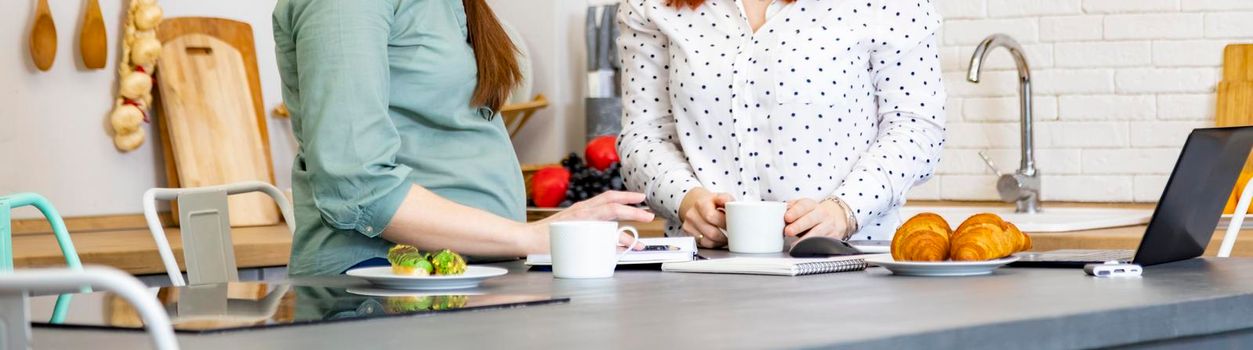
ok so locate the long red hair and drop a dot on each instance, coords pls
(697, 3)
(494, 56)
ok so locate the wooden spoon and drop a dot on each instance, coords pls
(43, 38)
(93, 43)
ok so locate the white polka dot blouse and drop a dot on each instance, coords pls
(827, 98)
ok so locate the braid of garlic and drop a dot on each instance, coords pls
(140, 50)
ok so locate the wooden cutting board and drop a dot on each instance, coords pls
(214, 126)
(1235, 102)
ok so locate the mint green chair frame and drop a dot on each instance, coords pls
(10, 202)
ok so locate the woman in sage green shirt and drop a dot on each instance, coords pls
(394, 104)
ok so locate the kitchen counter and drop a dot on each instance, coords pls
(132, 250)
(1201, 300)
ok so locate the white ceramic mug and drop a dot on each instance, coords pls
(755, 227)
(586, 249)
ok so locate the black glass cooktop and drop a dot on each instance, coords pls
(240, 306)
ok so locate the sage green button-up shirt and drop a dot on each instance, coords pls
(379, 95)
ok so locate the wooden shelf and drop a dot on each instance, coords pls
(516, 115)
(134, 251)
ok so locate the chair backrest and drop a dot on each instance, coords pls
(13, 201)
(15, 288)
(10, 202)
(204, 221)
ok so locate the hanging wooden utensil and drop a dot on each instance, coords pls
(43, 37)
(93, 42)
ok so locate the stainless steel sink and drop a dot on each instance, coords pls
(1051, 219)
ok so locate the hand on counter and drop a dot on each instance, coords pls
(608, 206)
(704, 218)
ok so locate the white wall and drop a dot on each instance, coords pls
(1118, 85)
(53, 136)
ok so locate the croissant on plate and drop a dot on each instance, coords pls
(924, 237)
(985, 237)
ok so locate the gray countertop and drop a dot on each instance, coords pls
(1015, 307)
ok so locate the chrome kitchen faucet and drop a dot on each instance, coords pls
(1023, 186)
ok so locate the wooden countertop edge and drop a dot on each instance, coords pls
(133, 250)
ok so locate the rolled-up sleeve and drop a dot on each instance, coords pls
(652, 159)
(911, 115)
(348, 141)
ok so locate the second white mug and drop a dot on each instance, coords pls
(755, 227)
(586, 249)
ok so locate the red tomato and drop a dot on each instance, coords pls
(548, 186)
(601, 152)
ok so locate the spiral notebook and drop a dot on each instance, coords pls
(772, 266)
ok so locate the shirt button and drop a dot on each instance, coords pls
(369, 229)
(486, 113)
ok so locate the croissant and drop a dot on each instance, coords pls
(924, 237)
(986, 237)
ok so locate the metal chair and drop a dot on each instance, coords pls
(10, 202)
(1237, 221)
(15, 289)
(206, 229)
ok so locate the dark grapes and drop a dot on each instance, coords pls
(572, 161)
(586, 182)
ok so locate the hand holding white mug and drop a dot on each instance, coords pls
(703, 217)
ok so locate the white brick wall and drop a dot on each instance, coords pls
(1103, 54)
(1129, 6)
(1118, 86)
(1229, 25)
(1071, 28)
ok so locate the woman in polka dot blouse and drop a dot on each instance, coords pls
(835, 106)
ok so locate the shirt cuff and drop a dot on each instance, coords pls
(375, 217)
(867, 199)
(667, 195)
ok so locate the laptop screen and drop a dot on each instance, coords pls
(1193, 200)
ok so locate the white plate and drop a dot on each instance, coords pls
(1051, 219)
(380, 292)
(939, 268)
(382, 276)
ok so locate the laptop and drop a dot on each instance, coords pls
(1187, 214)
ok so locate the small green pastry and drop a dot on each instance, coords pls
(398, 250)
(448, 263)
(409, 261)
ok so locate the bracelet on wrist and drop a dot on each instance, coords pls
(849, 218)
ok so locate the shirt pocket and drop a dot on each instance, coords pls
(791, 83)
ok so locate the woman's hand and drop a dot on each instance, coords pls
(703, 216)
(816, 218)
(608, 206)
